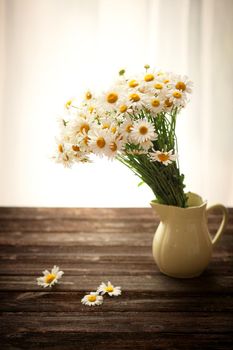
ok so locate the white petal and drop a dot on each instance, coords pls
(46, 272)
(40, 281)
(55, 269)
(60, 274)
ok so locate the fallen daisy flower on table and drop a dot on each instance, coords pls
(109, 289)
(92, 299)
(50, 278)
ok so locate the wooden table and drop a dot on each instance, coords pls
(95, 245)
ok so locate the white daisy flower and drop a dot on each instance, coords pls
(133, 82)
(65, 159)
(109, 124)
(159, 86)
(146, 145)
(88, 96)
(149, 77)
(79, 155)
(50, 278)
(109, 100)
(123, 107)
(126, 127)
(114, 146)
(109, 289)
(177, 98)
(135, 99)
(143, 131)
(79, 125)
(82, 141)
(168, 104)
(163, 157)
(92, 299)
(63, 155)
(99, 140)
(183, 83)
(154, 104)
(147, 81)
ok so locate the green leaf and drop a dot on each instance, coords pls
(141, 183)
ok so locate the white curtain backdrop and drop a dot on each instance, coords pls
(52, 50)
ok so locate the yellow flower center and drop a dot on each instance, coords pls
(113, 129)
(129, 128)
(100, 142)
(123, 108)
(166, 81)
(143, 130)
(84, 127)
(155, 103)
(149, 77)
(112, 97)
(133, 83)
(91, 298)
(177, 94)
(75, 148)
(60, 148)
(163, 157)
(50, 277)
(113, 146)
(168, 103)
(85, 140)
(158, 86)
(91, 109)
(88, 95)
(181, 86)
(106, 126)
(68, 104)
(134, 97)
(109, 289)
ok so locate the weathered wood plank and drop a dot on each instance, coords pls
(84, 226)
(98, 320)
(224, 247)
(49, 226)
(80, 238)
(90, 214)
(84, 213)
(144, 283)
(72, 225)
(88, 238)
(72, 261)
(95, 254)
(50, 301)
(117, 341)
(30, 267)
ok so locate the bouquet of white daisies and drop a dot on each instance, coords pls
(134, 121)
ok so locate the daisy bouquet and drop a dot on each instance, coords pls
(134, 121)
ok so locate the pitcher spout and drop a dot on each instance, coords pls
(195, 202)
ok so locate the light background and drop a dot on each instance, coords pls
(52, 50)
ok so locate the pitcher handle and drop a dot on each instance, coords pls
(223, 222)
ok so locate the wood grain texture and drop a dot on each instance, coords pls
(95, 245)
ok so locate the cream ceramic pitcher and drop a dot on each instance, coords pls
(182, 245)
